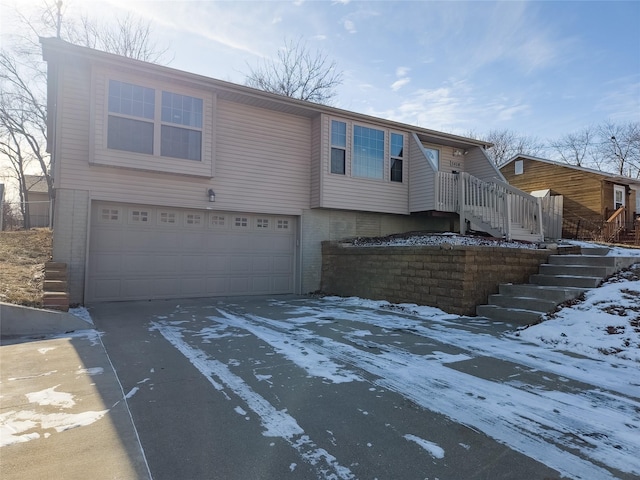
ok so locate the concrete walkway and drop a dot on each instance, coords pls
(62, 412)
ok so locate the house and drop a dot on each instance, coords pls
(37, 197)
(590, 197)
(170, 184)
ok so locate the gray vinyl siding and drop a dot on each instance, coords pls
(421, 178)
(262, 160)
(317, 153)
(361, 194)
(479, 165)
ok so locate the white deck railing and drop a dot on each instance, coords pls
(495, 206)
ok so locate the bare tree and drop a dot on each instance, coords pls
(298, 73)
(619, 147)
(576, 148)
(23, 115)
(507, 144)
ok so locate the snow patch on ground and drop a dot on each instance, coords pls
(434, 450)
(49, 396)
(81, 313)
(605, 325)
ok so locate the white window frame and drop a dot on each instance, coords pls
(100, 154)
(518, 167)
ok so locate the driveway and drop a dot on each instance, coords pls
(304, 388)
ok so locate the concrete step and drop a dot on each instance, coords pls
(511, 315)
(592, 260)
(566, 280)
(55, 266)
(576, 270)
(553, 293)
(595, 250)
(522, 303)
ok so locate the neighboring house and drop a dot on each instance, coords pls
(37, 197)
(590, 197)
(171, 184)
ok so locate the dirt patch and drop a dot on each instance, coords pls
(22, 258)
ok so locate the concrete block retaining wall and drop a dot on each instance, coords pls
(450, 277)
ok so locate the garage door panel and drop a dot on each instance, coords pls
(105, 263)
(261, 265)
(283, 264)
(197, 253)
(108, 240)
(239, 285)
(261, 284)
(217, 264)
(239, 264)
(137, 288)
(281, 284)
(105, 289)
(193, 263)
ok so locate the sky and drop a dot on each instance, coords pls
(540, 68)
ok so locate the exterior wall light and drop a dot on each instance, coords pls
(212, 195)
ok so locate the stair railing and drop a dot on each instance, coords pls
(614, 226)
(497, 206)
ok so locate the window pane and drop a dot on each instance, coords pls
(180, 143)
(130, 135)
(337, 160)
(181, 109)
(368, 152)
(396, 170)
(397, 142)
(338, 134)
(129, 99)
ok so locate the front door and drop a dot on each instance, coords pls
(619, 196)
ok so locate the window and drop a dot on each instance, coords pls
(282, 224)
(519, 167)
(262, 223)
(139, 216)
(241, 222)
(110, 215)
(193, 219)
(397, 155)
(433, 156)
(218, 221)
(128, 104)
(167, 217)
(368, 152)
(135, 123)
(184, 141)
(338, 146)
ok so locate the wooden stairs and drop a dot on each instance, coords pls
(56, 296)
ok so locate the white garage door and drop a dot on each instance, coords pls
(140, 252)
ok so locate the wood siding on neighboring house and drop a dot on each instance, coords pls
(582, 191)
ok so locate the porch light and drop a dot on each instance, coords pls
(457, 152)
(212, 195)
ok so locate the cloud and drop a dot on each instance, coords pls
(349, 26)
(620, 99)
(398, 84)
(402, 71)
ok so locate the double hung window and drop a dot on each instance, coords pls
(338, 146)
(135, 124)
(396, 155)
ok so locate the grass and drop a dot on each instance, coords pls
(22, 258)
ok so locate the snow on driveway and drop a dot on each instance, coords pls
(577, 414)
